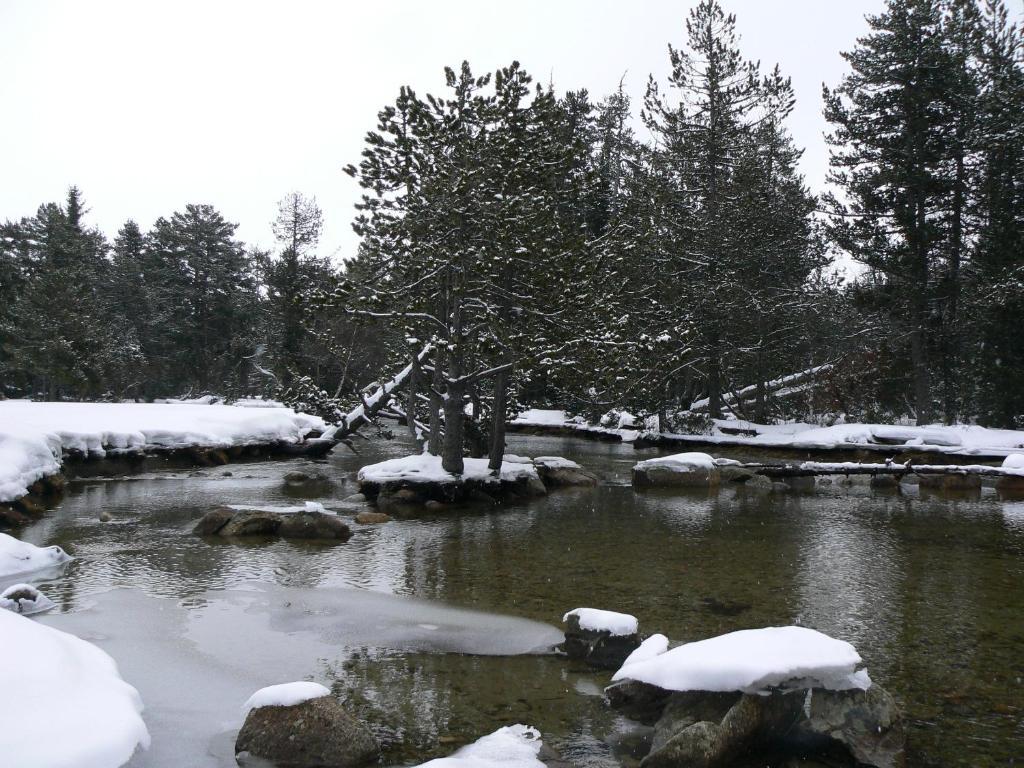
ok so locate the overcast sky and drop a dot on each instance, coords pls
(148, 106)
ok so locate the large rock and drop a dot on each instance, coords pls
(251, 523)
(230, 523)
(317, 733)
(710, 730)
(556, 472)
(313, 525)
(682, 470)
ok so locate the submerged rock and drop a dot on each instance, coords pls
(311, 734)
(372, 518)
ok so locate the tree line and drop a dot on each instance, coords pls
(593, 254)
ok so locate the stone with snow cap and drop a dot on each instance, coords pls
(514, 746)
(17, 557)
(603, 639)
(752, 661)
(25, 599)
(300, 725)
(687, 470)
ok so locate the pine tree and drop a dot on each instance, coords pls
(889, 156)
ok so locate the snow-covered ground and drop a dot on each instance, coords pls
(960, 439)
(426, 468)
(62, 701)
(751, 661)
(596, 620)
(33, 436)
(514, 746)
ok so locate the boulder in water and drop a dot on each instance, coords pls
(309, 734)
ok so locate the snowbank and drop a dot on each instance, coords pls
(683, 462)
(33, 436)
(751, 661)
(63, 702)
(17, 557)
(25, 599)
(514, 746)
(426, 468)
(541, 417)
(961, 440)
(596, 620)
(284, 695)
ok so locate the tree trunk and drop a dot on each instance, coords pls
(714, 378)
(454, 422)
(436, 402)
(497, 453)
(410, 405)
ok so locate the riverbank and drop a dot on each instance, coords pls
(40, 442)
(957, 444)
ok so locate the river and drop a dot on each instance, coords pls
(431, 628)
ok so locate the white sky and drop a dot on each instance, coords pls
(150, 105)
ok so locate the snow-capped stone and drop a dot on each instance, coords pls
(17, 557)
(24, 599)
(596, 620)
(753, 660)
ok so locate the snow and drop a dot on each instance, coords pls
(541, 417)
(25, 599)
(18, 557)
(1014, 461)
(33, 436)
(309, 506)
(655, 645)
(556, 462)
(596, 620)
(426, 468)
(957, 440)
(680, 462)
(514, 746)
(63, 703)
(752, 661)
(284, 695)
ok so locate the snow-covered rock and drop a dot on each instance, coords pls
(33, 436)
(62, 701)
(697, 470)
(514, 746)
(684, 462)
(24, 599)
(285, 695)
(302, 726)
(18, 557)
(751, 661)
(596, 620)
(423, 467)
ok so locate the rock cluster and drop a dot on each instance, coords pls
(227, 522)
(708, 730)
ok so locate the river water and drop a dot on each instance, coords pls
(432, 629)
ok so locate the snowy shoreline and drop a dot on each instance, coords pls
(36, 438)
(968, 441)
